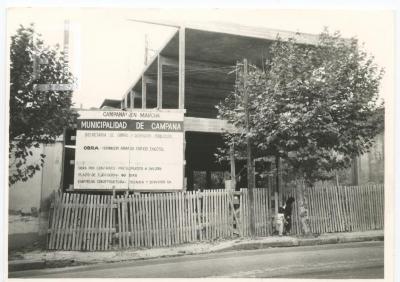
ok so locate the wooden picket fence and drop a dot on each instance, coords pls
(81, 222)
(103, 222)
(340, 209)
(148, 220)
(263, 212)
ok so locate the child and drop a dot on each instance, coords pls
(280, 220)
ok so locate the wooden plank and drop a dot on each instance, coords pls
(353, 205)
(337, 209)
(66, 222)
(155, 221)
(162, 219)
(131, 235)
(93, 222)
(317, 215)
(193, 216)
(74, 222)
(166, 219)
(135, 234)
(172, 218)
(224, 217)
(361, 191)
(141, 229)
(107, 220)
(358, 199)
(58, 210)
(82, 204)
(310, 209)
(346, 208)
(382, 205)
(364, 207)
(96, 221)
(85, 223)
(269, 213)
(199, 211)
(55, 220)
(218, 212)
(144, 219)
(141, 221)
(160, 213)
(61, 222)
(68, 226)
(126, 220)
(118, 221)
(168, 212)
(100, 238)
(327, 214)
(375, 209)
(212, 210)
(82, 222)
(185, 215)
(205, 215)
(157, 206)
(188, 201)
(333, 209)
(152, 221)
(370, 207)
(340, 195)
(180, 216)
(98, 226)
(148, 221)
(59, 242)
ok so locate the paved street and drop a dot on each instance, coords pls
(350, 260)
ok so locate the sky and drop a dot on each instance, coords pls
(107, 48)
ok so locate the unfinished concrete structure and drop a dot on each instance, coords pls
(194, 70)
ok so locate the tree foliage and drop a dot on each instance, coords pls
(35, 117)
(316, 107)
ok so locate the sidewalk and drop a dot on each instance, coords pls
(50, 259)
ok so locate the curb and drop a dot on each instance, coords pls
(21, 265)
(294, 242)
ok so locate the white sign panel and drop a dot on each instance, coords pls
(137, 150)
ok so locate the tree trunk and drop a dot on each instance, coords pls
(302, 205)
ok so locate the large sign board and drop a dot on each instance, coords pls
(136, 150)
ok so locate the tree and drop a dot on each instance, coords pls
(36, 117)
(314, 107)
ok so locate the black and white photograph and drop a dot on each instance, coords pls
(199, 143)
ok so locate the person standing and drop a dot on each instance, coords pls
(288, 215)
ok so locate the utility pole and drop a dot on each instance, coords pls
(250, 163)
(278, 183)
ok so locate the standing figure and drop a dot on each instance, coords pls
(280, 220)
(288, 215)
